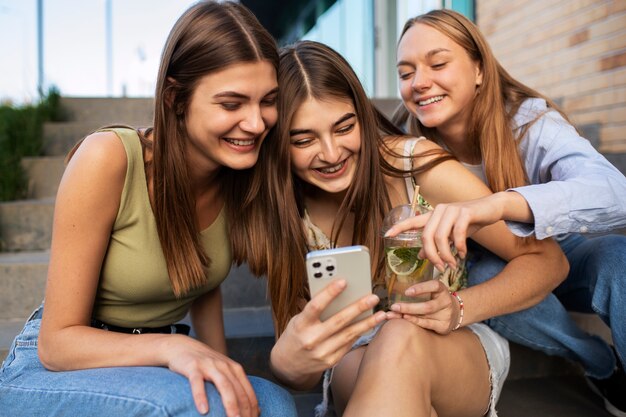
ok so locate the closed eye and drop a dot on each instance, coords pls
(345, 129)
(302, 143)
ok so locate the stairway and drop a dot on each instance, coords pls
(25, 233)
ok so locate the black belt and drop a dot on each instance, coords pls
(170, 329)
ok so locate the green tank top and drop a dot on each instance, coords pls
(134, 288)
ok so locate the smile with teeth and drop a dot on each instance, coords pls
(334, 168)
(430, 100)
(239, 142)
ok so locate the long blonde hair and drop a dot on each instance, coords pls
(499, 97)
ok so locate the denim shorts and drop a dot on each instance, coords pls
(29, 389)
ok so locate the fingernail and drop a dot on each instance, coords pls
(381, 316)
(440, 267)
(462, 255)
(410, 292)
(387, 233)
(204, 408)
(452, 265)
(372, 299)
(395, 307)
(341, 283)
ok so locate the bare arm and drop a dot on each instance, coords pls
(86, 208)
(534, 269)
(208, 320)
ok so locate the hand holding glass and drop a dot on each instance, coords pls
(403, 267)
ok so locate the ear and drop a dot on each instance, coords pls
(479, 74)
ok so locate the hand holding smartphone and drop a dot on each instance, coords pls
(351, 263)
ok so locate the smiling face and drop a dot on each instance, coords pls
(325, 143)
(437, 78)
(229, 115)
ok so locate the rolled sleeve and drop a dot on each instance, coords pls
(573, 188)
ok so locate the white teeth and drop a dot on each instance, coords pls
(332, 169)
(430, 100)
(241, 142)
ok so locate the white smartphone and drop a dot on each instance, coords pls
(351, 263)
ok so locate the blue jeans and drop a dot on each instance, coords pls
(596, 284)
(28, 389)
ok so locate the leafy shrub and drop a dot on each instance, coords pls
(21, 134)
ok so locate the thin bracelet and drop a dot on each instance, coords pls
(460, 300)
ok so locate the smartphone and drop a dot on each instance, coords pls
(351, 263)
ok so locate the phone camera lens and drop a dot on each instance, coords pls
(316, 264)
(317, 275)
(330, 268)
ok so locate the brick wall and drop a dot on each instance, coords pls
(574, 52)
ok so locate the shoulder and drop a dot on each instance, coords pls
(409, 145)
(535, 111)
(100, 152)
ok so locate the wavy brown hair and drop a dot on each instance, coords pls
(207, 38)
(275, 240)
(490, 129)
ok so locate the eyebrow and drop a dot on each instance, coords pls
(429, 54)
(234, 94)
(342, 119)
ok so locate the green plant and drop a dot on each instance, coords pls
(21, 134)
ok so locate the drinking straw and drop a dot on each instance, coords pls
(416, 193)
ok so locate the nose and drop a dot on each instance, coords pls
(329, 150)
(420, 81)
(253, 121)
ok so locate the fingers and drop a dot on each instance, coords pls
(426, 323)
(198, 392)
(246, 386)
(438, 314)
(412, 223)
(237, 395)
(340, 343)
(346, 315)
(230, 380)
(314, 308)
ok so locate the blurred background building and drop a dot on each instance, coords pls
(573, 51)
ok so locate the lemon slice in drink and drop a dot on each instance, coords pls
(403, 264)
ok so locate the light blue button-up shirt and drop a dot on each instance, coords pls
(573, 187)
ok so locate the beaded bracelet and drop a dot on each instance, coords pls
(460, 300)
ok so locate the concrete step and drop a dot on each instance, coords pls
(554, 396)
(60, 137)
(44, 175)
(22, 283)
(26, 225)
(108, 110)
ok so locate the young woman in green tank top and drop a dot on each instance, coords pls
(140, 238)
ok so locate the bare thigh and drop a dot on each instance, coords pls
(344, 378)
(410, 371)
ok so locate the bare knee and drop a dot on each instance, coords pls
(402, 343)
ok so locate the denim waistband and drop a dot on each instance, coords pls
(177, 328)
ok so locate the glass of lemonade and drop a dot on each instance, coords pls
(402, 266)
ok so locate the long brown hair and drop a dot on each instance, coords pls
(274, 241)
(490, 130)
(207, 38)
